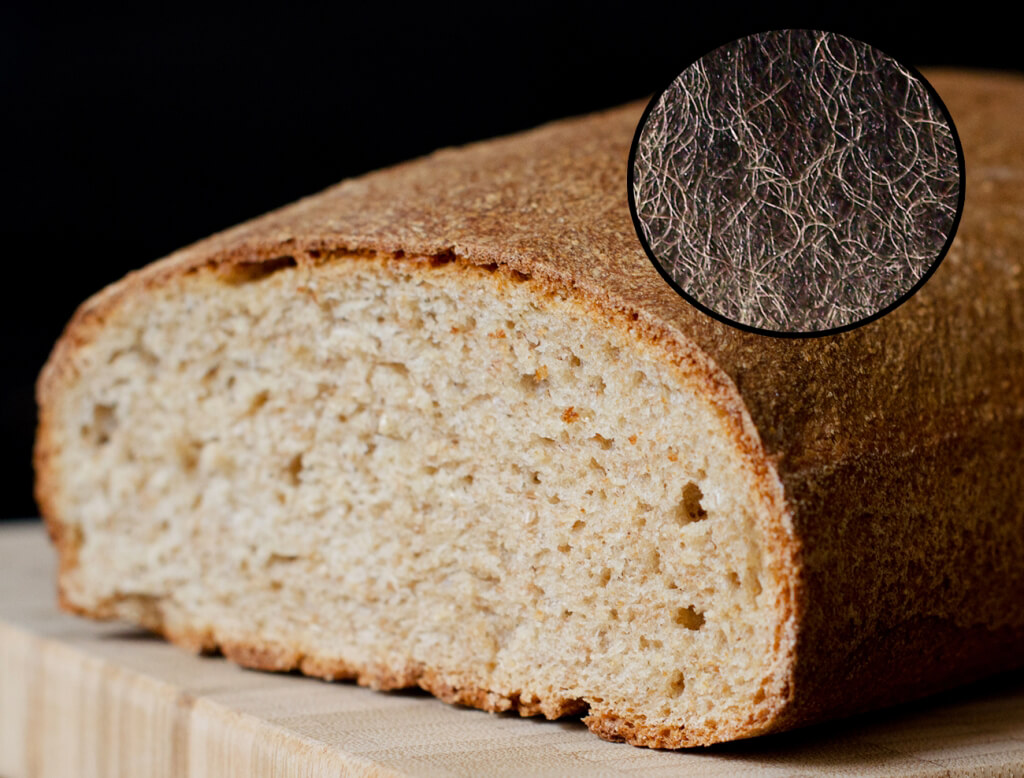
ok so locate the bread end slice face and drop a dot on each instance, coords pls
(414, 473)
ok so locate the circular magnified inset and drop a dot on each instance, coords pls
(796, 182)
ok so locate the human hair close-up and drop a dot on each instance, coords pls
(796, 181)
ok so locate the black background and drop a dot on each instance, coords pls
(128, 135)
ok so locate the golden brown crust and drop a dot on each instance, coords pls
(893, 443)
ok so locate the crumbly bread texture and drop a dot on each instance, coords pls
(444, 426)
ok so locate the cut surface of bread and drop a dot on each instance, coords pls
(415, 472)
(445, 426)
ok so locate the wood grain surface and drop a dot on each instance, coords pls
(84, 699)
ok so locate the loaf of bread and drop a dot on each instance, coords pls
(445, 426)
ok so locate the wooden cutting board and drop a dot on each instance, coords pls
(84, 699)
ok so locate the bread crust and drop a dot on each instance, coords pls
(885, 453)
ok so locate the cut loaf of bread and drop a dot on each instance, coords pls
(445, 426)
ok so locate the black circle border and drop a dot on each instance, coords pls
(638, 226)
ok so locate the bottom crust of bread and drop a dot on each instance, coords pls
(255, 654)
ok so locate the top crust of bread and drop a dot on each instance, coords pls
(883, 450)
